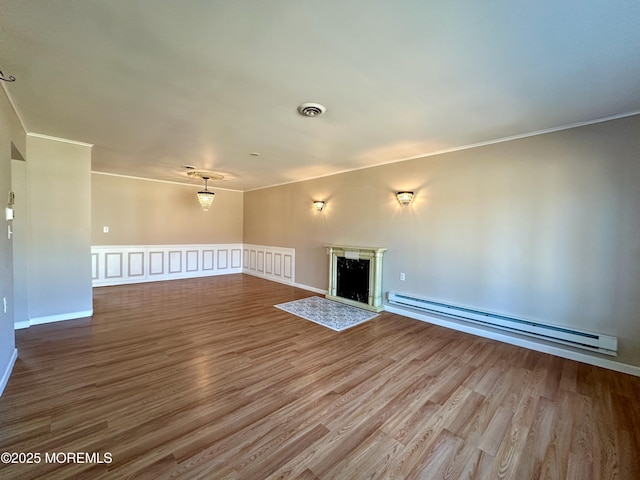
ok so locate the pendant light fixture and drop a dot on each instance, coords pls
(205, 197)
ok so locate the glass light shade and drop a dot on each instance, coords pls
(405, 198)
(205, 198)
(318, 205)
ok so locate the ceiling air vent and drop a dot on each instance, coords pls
(311, 109)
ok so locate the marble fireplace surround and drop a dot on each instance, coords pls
(374, 255)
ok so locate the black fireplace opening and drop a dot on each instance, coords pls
(353, 279)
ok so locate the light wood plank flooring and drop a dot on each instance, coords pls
(205, 379)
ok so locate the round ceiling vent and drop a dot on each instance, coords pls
(311, 109)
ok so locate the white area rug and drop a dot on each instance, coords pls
(334, 315)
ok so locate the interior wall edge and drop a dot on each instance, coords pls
(7, 370)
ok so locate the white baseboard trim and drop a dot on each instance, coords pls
(7, 370)
(60, 317)
(166, 279)
(520, 341)
(285, 281)
(311, 289)
(21, 325)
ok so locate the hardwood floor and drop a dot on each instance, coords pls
(205, 379)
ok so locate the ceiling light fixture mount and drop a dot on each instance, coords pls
(311, 109)
(201, 174)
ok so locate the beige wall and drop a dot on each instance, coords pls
(545, 227)
(145, 212)
(59, 231)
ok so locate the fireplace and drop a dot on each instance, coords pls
(352, 279)
(355, 276)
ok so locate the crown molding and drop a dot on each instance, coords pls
(59, 139)
(464, 147)
(95, 172)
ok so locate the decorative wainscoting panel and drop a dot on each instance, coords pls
(272, 263)
(122, 264)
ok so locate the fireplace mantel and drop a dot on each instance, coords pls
(374, 255)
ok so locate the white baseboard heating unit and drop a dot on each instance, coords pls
(596, 342)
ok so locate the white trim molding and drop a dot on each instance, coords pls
(311, 289)
(273, 263)
(60, 317)
(7, 370)
(125, 264)
(53, 318)
(59, 139)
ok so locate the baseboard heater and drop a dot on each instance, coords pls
(596, 342)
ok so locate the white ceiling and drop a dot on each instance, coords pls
(157, 84)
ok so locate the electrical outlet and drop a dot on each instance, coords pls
(402, 277)
(105, 229)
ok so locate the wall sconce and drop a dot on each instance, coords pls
(404, 198)
(318, 205)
